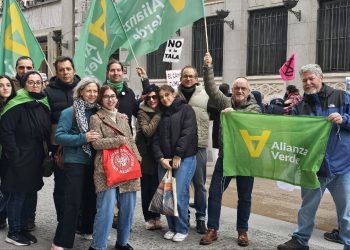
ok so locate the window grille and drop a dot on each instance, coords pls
(267, 40)
(215, 36)
(155, 66)
(333, 36)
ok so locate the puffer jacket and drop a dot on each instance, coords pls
(199, 103)
(177, 132)
(103, 124)
(323, 103)
(222, 101)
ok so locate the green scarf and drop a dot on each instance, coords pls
(117, 85)
(21, 97)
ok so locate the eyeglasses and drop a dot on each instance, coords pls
(109, 97)
(188, 76)
(32, 83)
(240, 88)
(149, 97)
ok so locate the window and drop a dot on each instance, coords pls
(215, 36)
(267, 40)
(155, 66)
(333, 36)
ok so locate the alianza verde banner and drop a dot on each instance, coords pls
(16, 39)
(149, 23)
(101, 36)
(285, 148)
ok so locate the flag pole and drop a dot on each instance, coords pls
(47, 63)
(132, 51)
(206, 29)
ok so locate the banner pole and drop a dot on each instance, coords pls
(47, 63)
(132, 51)
(206, 33)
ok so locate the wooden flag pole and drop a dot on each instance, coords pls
(132, 50)
(47, 63)
(206, 33)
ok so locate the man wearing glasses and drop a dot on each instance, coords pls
(242, 100)
(195, 95)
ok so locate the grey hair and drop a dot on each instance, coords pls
(312, 68)
(83, 83)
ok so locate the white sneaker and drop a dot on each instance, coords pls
(169, 235)
(179, 237)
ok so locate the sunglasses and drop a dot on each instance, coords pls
(149, 97)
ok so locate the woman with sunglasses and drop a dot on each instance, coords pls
(24, 127)
(148, 118)
(175, 147)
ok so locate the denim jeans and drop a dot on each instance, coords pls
(339, 187)
(17, 210)
(199, 178)
(149, 185)
(105, 204)
(183, 177)
(218, 185)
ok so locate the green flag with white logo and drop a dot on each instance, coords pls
(101, 36)
(149, 23)
(285, 148)
(16, 39)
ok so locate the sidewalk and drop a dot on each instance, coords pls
(264, 232)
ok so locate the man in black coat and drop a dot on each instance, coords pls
(60, 95)
(127, 103)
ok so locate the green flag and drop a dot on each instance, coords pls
(16, 39)
(285, 148)
(149, 23)
(100, 37)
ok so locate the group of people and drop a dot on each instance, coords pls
(83, 117)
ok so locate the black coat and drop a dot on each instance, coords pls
(127, 103)
(23, 129)
(177, 132)
(60, 96)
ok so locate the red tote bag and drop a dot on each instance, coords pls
(120, 164)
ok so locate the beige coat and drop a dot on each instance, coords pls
(102, 123)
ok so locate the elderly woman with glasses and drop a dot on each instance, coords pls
(24, 128)
(74, 134)
(115, 132)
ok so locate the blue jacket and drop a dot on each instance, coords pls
(69, 136)
(323, 103)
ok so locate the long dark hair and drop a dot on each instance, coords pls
(13, 92)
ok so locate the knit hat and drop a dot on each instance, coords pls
(150, 88)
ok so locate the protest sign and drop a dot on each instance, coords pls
(173, 77)
(173, 50)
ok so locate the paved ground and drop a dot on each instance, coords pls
(265, 232)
